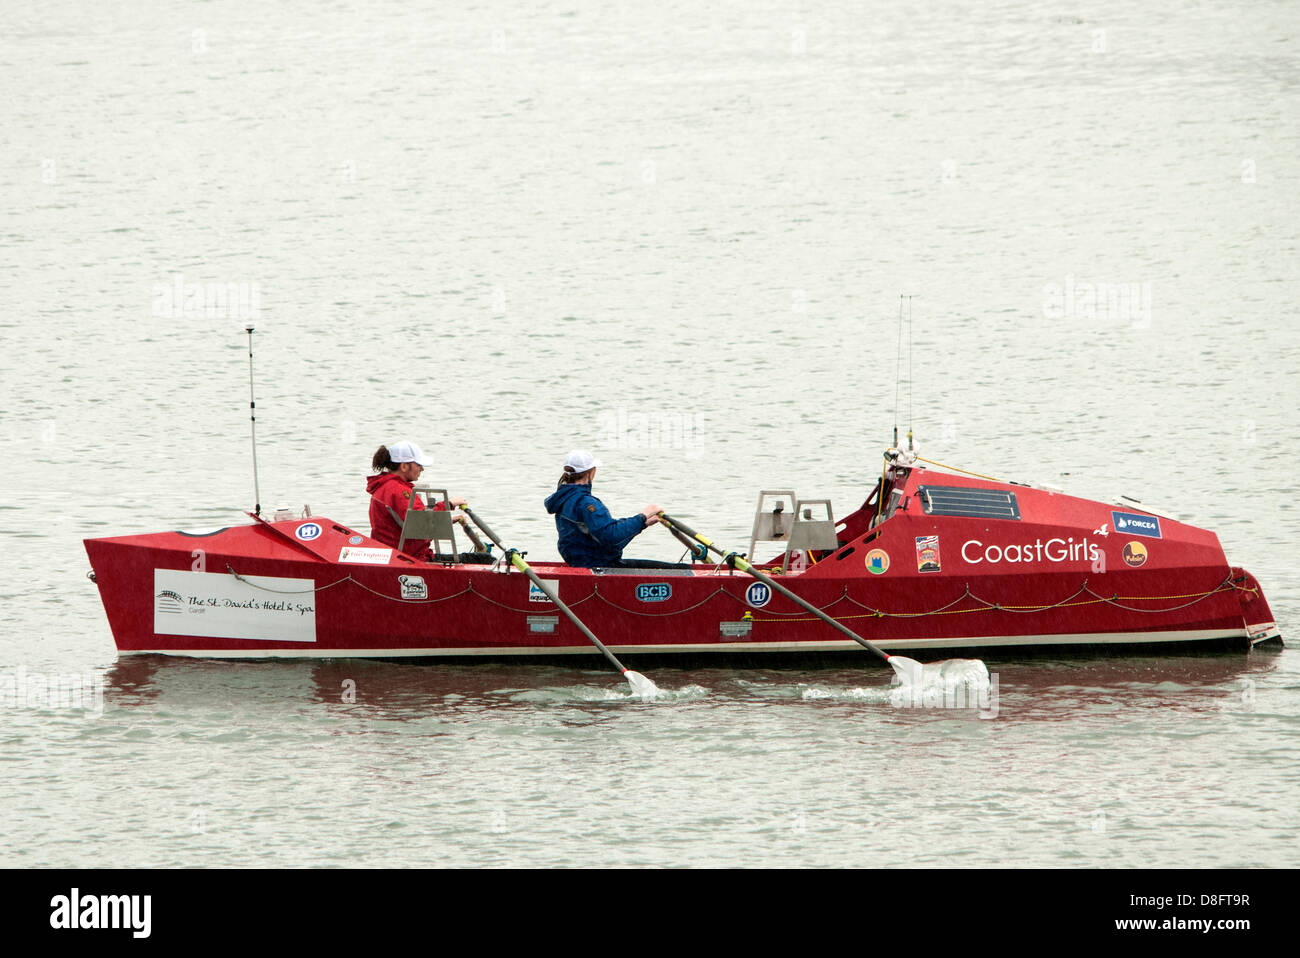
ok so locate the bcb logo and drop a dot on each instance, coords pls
(653, 591)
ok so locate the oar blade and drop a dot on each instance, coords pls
(641, 685)
(907, 671)
(947, 673)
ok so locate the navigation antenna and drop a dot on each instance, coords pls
(898, 369)
(252, 417)
(909, 373)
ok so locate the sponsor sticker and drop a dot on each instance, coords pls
(877, 561)
(537, 595)
(927, 554)
(365, 556)
(1133, 524)
(220, 606)
(1135, 554)
(355, 540)
(308, 531)
(413, 587)
(653, 591)
(758, 595)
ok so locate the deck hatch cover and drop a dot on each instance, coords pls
(964, 501)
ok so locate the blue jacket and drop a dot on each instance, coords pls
(602, 544)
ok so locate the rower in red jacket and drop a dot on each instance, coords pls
(392, 492)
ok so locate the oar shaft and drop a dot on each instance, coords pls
(672, 523)
(767, 580)
(518, 562)
(482, 525)
(473, 537)
(687, 541)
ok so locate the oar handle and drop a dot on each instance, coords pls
(518, 562)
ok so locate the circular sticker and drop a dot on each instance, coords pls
(307, 531)
(877, 561)
(354, 540)
(758, 595)
(1135, 554)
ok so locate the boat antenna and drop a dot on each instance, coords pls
(909, 373)
(898, 367)
(252, 417)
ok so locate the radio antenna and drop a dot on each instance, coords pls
(898, 367)
(252, 418)
(909, 373)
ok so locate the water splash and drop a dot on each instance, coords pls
(569, 695)
(875, 696)
(950, 674)
(952, 683)
(687, 693)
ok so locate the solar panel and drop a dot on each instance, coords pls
(963, 501)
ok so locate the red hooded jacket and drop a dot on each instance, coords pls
(388, 491)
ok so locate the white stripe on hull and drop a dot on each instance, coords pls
(836, 645)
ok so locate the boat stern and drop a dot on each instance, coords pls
(1261, 627)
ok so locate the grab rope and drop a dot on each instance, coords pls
(984, 605)
(347, 578)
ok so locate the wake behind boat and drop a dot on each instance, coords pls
(932, 560)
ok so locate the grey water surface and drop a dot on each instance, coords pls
(675, 234)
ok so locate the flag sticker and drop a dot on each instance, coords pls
(927, 554)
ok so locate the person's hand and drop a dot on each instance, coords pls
(456, 503)
(651, 513)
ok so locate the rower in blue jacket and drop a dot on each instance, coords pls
(589, 536)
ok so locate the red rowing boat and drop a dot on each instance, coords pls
(932, 560)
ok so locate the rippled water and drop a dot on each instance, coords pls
(677, 237)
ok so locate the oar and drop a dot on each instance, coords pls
(909, 671)
(473, 537)
(641, 685)
(698, 551)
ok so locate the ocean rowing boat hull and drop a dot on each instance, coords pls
(1062, 574)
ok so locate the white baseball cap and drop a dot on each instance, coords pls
(580, 461)
(408, 452)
